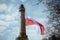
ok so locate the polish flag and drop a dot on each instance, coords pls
(30, 21)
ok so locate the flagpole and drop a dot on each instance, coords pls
(22, 34)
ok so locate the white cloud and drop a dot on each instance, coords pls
(2, 1)
(2, 29)
(32, 32)
(3, 23)
(13, 0)
(3, 7)
(10, 8)
(9, 17)
(23, 0)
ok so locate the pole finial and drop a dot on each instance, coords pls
(22, 8)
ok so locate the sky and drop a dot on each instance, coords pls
(10, 19)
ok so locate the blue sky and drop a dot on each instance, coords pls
(10, 18)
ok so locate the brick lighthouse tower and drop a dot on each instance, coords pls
(22, 35)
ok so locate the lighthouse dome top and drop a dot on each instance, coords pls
(22, 8)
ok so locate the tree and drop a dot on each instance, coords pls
(54, 15)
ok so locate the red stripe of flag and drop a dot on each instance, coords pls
(30, 21)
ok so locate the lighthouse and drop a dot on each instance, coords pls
(22, 34)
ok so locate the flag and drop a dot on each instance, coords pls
(30, 21)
